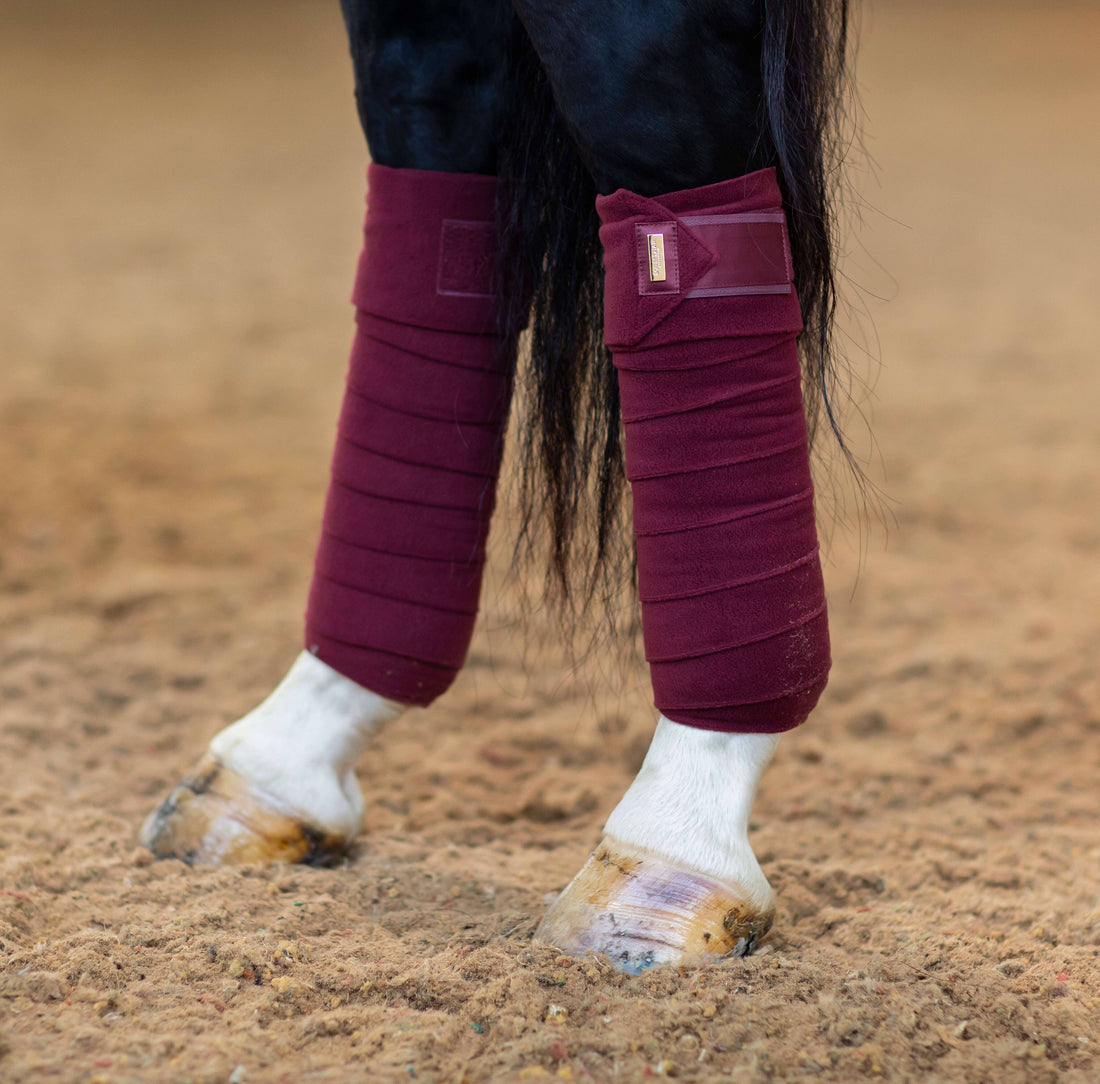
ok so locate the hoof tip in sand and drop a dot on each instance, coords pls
(214, 818)
(641, 910)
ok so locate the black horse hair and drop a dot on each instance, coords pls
(572, 486)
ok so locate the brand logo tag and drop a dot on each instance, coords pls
(657, 271)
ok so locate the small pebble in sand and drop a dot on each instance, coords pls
(556, 1014)
(286, 986)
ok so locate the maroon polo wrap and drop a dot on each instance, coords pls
(703, 325)
(398, 568)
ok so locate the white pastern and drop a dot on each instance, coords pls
(299, 747)
(691, 801)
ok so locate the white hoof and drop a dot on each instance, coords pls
(215, 818)
(642, 910)
(675, 879)
(279, 784)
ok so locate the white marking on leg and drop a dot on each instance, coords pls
(299, 747)
(691, 802)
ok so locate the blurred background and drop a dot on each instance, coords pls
(181, 193)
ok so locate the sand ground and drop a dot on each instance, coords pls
(181, 200)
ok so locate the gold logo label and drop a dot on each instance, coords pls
(656, 256)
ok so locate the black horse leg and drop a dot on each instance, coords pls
(659, 95)
(429, 76)
(665, 100)
(398, 569)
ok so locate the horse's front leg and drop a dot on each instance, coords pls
(399, 564)
(666, 103)
(674, 878)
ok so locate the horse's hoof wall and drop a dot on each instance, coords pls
(214, 818)
(641, 910)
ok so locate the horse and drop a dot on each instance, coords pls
(627, 210)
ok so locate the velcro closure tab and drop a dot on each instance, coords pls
(753, 254)
(467, 254)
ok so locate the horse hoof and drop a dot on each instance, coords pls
(214, 818)
(642, 910)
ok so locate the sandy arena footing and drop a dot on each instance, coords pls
(182, 197)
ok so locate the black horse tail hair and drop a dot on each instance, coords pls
(571, 478)
(806, 94)
(572, 485)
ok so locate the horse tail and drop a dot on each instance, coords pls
(806, 91)
(571, 479)
(571, 476)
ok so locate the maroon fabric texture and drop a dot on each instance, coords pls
(398, 568)
(733, 603)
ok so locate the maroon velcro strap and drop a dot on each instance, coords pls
(751, 255)
(467, 255)
(673, 264)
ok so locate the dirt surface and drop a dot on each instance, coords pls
(182, 195)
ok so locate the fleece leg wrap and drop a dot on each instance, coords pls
(398, 568)
(702, 320)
